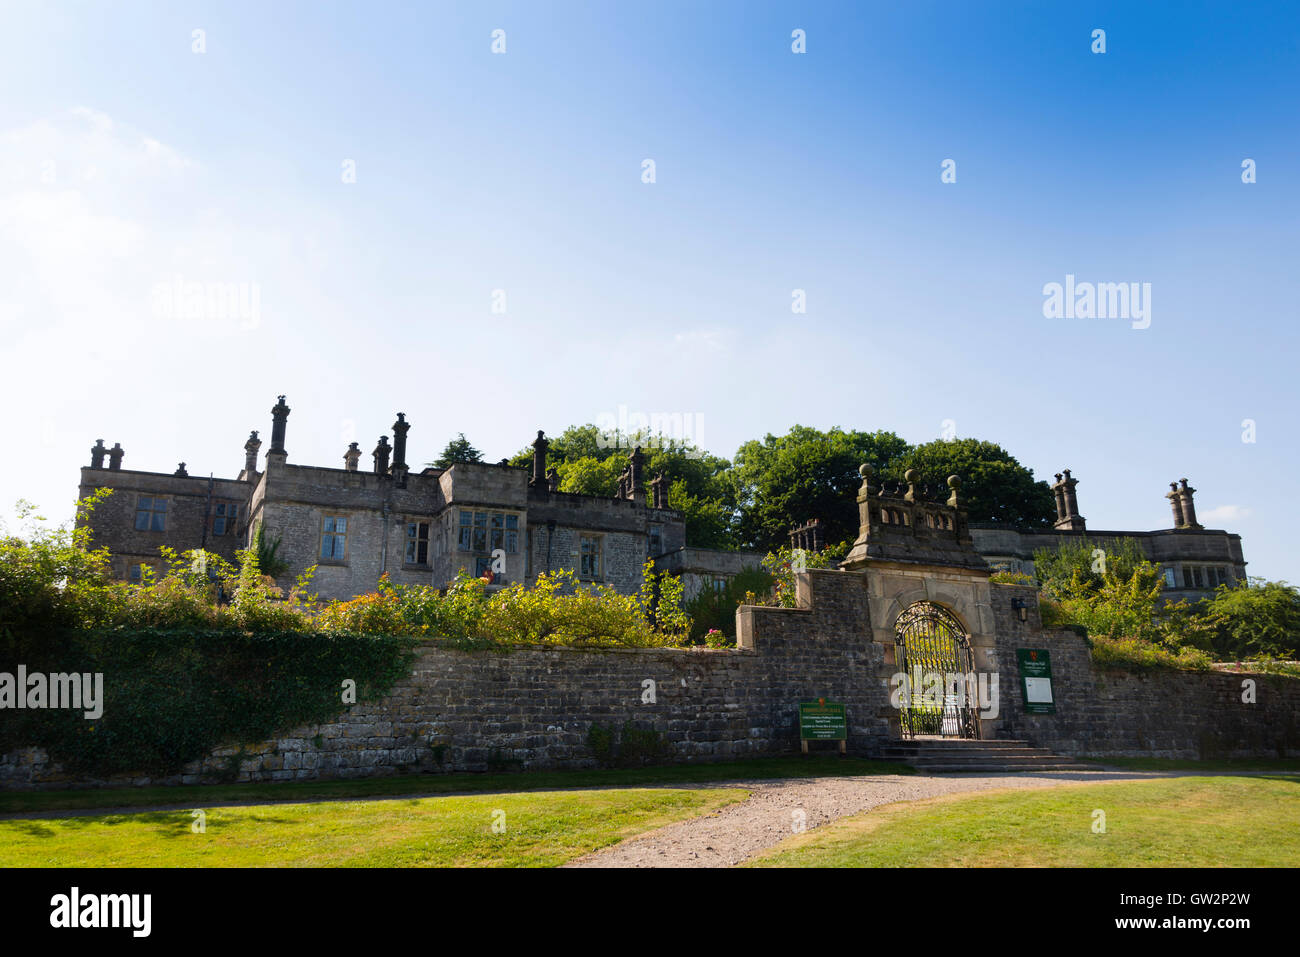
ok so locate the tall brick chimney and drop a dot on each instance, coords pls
(400, 428)
(540, 447)
(97, 453)
(279, 418)
(351, 456)
(115, 457)
(1067, 505)
(380, 455)
(251, 448)
(1175, 503)
(399, 469)
(1185, 493)
(636, 462)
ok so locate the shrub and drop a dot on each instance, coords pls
(783, 565)
(1255, 618)
(1134, 654)
(715, 610)
(171, 696)
(1012, 578)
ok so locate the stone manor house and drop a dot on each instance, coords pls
(422, 527)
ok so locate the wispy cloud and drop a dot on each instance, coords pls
(1226, 513)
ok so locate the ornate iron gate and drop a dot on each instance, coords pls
(929, 640)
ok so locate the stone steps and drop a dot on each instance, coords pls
(944, 755)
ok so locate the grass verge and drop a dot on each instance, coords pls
(533, 829)
(1178, 764)
(1183, 822)
(17, 802)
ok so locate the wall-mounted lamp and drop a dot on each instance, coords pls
(1021, 607)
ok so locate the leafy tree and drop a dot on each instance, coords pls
(590, 476)
(458, 450)
(715, 609)
(783, 481)
(994, 486)
(1076, 567)
(590, 463)
(1254, 619)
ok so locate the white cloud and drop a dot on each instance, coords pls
(711, 339)
(1225, 513)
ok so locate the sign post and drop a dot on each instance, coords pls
(1036, 680)
(823, 720)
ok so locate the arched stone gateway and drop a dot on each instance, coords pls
(933, 654)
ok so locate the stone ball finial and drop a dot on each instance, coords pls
(909, 476)
(865, 470)
(954, 482)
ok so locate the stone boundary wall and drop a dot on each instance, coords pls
(534, 708)
(1115, 713)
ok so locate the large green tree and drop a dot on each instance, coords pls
(783, 481)
(994, 486)
(589, 462)
(458, 450)
(1254, 619)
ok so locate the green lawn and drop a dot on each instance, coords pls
(1180, 764)
(796, 766)
(541, 829)
(1183, 822)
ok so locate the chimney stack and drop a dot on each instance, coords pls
(1185, 493)
(380, 455)
(115, 457)
(180, 471)
(540, 447)
(251, 448)
(351, 456)
(279, 417)
(636, 491)
(399, 469)
(1176, 503)
(97, 453)
(1067, 505)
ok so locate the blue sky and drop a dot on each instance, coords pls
(128, 160)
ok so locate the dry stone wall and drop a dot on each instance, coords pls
(534, 708)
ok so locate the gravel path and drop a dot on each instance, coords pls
(730, 835)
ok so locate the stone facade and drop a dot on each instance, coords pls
(701, 568)
(417, 527)
(1193, 559)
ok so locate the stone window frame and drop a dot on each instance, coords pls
(229, 518)
(157, 516)
(489, 529)
(599, 540)
(409, 540)
(346, 535)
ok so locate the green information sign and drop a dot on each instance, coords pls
(822, 720)
(1036, 680)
